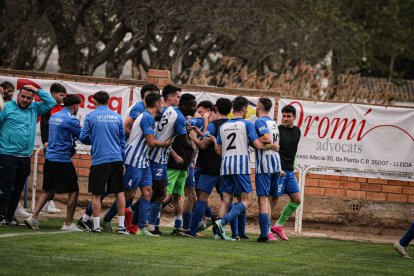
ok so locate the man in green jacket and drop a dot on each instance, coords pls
(17, 134)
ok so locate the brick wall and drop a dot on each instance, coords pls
(360, 188)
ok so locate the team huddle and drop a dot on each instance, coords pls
(177, 151)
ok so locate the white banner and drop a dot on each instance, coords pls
(355, 140)
(118, 102)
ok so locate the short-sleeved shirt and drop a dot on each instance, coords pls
(289, 140)
(267, 161)
(208, 160)
(234, 136)
(137, 109)
(136, 153)
(172, 123)
(197, 122)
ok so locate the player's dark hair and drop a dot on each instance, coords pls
(7, 85)
(224, 106)
(57, 88)
(149, 87)
(152, 99)
(101, 97)
(169, 90)
(186, 98)
(205, 104)
(267, 103)
(71, 100)
(289, 109)
(239, 103)
(213, 109)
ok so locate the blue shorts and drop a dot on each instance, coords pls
(287, 184)
(159, 172)
(206, 183)
(235, 184)
(193, 176)
(267, 184)
(137, 177)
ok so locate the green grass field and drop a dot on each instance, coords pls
(48, 252)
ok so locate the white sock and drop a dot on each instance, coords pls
(121, 221)
(277, 224)
(86, 217)
(96, 222)
(151, 227)
(179, 218)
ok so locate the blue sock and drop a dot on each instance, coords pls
(158, 220)
(135, 216)
(178, 223)
(242, 223)
(89, 208)
(144, 206)
(233, 213)
(198, 212)
(234, 225)
(408, 237)
(264, 224)
(111, 213)
(154, 212)
(187, 220)
(209, 212)
(268, 225)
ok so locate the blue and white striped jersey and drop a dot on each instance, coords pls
(172, 123)
(267, 161)
(234, 136)
(136, 153)
(137, 109)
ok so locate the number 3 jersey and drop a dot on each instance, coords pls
(234, 137)
(172, 123)
(267, 161)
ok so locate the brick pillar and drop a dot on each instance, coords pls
(159, 77)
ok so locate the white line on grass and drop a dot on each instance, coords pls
(28, 234)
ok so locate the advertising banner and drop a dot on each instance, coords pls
(354, 139)
(118, 102)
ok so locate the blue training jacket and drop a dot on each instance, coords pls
(104, 130)
(63, 130)
(18, 126)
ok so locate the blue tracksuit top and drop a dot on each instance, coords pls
(104, 130)
(64, 129)
(18, 126)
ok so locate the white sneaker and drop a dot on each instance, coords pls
(145, 232)
(401, 250)
(51, 208)
(32, 223)
(21, 212)
(70, 228)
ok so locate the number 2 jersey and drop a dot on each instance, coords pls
(172, 123)
(267, 161)
(234, 136)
